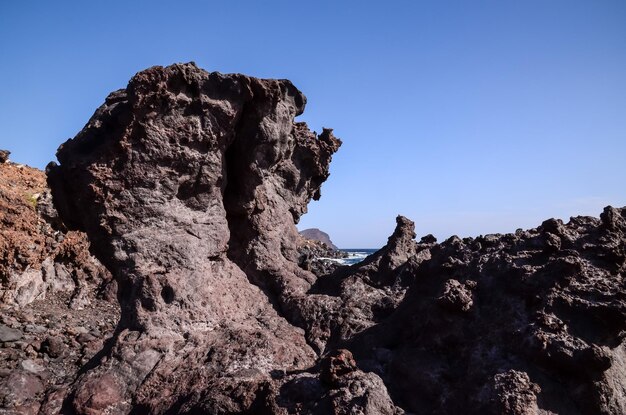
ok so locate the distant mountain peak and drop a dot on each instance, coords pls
(318, 235)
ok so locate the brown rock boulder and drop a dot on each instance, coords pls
(189, 184)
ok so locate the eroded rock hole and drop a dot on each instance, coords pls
(167, 293)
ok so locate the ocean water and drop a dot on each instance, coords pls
(355, 256)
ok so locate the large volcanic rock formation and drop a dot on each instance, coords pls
(188, 185)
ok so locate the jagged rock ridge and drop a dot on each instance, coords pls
(531, 322)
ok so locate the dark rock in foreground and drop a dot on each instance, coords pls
(189, 184)
(530, 322)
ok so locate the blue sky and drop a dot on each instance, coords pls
(469, 117)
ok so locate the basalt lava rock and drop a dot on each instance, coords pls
(37, 257)
(355, 298)
(335, 365)
(49, 284)
(189, 185)
(514, 324)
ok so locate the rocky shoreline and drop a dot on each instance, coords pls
(317, 256)
(159, 270)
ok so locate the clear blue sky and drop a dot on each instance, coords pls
(469, 117)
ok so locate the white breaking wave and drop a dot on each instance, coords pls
(354, 257)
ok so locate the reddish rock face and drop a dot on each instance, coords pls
(336, 365)
(49, 283)
(189, 184)
(37, 257)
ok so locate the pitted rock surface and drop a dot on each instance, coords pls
(189, 184)
(37, 257)
(50, 285)
(511, 324)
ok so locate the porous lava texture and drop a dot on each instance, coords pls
(38, 256)
(189, 184)
(57, 302)
(526, 323)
